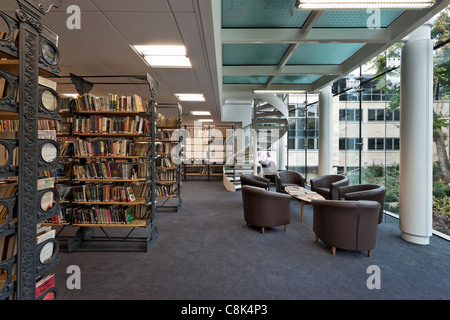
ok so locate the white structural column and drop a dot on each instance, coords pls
(325, 131)
(416, 141)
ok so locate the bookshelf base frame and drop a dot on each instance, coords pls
(85, 234)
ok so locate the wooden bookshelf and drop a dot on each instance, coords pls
(86, 146)
(168, 172)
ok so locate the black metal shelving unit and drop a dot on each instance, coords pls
(31, 51)
(86, 233)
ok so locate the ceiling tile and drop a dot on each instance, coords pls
(146, 27)
(132, 5)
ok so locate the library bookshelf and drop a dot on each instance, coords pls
(168, 161)
(109, 183)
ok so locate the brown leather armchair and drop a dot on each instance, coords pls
(348, 225)
(286, 178)
(374, 192)
(328, 185)
(264, 208)
(256, 181)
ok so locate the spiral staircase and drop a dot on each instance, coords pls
(269, 124)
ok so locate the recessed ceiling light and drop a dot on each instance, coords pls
(168, 61)
(190, 96)
(205, 120)
(155, 50)
(164, 56)
(200, 113)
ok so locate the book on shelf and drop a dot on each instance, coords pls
(43, 284)
(111, 102)
(102, 193)
(47, 134)
(99, 124)
(166, 190)
(110, 147)
(99, 215)
(47, 251)
(162, 121)
(47, 198)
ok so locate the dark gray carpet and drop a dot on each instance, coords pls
(206, 251)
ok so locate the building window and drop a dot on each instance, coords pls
(349, 143)
(384, 115)
(383, 144)
(304, 129)
(349, 115)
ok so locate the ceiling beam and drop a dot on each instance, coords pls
(343, 35)
(251, 87)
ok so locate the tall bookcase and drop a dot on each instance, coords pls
(29, 50)
(111, 159)
(168, 161)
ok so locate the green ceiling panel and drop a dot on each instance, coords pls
(262, 14)
(299, 79)
(323, 53)
(356, 18)
(252, 54)
(245, 79)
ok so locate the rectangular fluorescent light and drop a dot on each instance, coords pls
(278, 91)
(190, 96)
(164, 56)
(205, 120)
(200, 113)
(168, 61)
(156, 50)
(363, 4)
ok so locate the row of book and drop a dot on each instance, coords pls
(108, 147)
(165, 135)
(9, 125)
(166, 190)
(111, 102)
(164, 162)
(100, 124)
(166, 122)
(167, 175)
(100, 215)
(102, 193)
(111, 170)
(164, 147)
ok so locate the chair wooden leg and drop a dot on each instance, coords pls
(369, 253)
(262, 230)
(285, 227)
(317, 237)
(333, 250)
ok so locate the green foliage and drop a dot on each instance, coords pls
(441, 214)
(441, 190)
